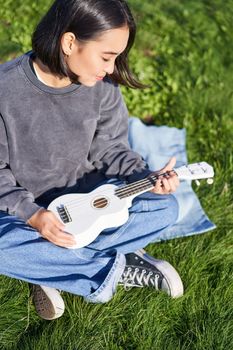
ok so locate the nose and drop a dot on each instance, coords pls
(109, 69)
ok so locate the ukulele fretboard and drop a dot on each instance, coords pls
(139, 186)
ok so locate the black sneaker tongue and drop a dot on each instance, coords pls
(134, 261)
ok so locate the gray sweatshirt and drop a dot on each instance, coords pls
(56, 141)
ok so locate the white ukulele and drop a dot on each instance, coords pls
(86, 215)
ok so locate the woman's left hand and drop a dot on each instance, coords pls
(168, 184)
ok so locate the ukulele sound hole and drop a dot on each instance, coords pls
(100, 202)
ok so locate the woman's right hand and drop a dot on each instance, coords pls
(50, 228)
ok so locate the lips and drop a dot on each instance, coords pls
(100, 78)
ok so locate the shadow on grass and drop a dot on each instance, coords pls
(8, 51)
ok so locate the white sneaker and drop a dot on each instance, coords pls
(48, 302)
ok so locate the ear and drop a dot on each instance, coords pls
(67, 43)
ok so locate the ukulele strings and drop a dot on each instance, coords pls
(120, 191)
(77, 202)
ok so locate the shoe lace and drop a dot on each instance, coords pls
(139, 277)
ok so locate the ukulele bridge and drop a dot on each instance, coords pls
(64, 214)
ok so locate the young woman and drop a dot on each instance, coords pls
(63, 129)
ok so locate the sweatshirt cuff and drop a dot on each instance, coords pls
(26, 209)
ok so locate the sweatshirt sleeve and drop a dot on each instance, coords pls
(14, 199)
(110, 151)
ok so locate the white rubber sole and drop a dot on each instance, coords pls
(174, 282)
(48, 302)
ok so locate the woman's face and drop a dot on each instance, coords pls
(91, 61)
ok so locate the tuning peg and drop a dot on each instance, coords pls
(197, 182)
(210, 181)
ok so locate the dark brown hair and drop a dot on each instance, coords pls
(87, 19)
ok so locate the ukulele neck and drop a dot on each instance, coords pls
(138, 187)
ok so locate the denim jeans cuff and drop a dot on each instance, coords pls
(108, 288)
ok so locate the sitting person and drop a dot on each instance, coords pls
(63, 129)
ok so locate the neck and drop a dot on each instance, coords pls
(139, 187)
(47, 77)
(136, 188)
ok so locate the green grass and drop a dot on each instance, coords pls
(184, 51)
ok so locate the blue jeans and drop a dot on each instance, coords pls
(93, 271)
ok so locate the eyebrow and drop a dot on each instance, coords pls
(110, 53)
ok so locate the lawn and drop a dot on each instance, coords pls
(184, 52)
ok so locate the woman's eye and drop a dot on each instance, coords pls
(106, 59)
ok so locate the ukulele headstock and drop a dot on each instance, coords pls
(196, 171)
